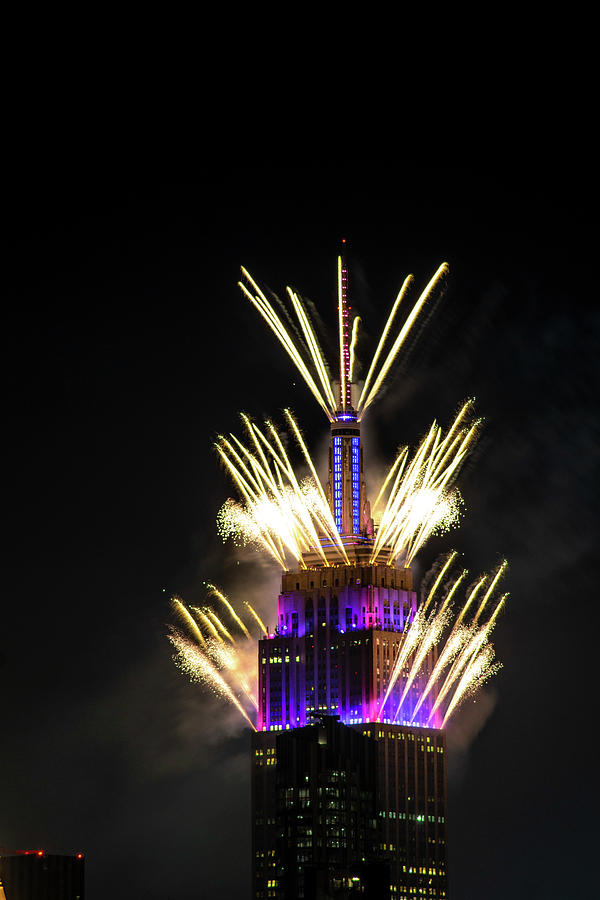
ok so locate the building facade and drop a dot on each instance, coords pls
(348, 775)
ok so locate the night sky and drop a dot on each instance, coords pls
(127, 347)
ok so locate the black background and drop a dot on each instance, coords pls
(127, 347)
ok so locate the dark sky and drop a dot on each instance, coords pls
(127, 347)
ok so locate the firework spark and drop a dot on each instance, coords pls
(281, 514)
(228, 667)
(260, 622)
(191, 660)
(466, 649)
(478, 671)
(465, 658)
(287, 517)
(443, 654)
(306, 352)
(188, 620)
(221, 596)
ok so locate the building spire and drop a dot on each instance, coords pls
(345, 389)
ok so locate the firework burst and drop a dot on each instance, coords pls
(211, 655)
(303, 348)
(465, 656)
(440, 652)
(288, 517)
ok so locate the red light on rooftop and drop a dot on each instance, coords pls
(80, 856)
(40, 853)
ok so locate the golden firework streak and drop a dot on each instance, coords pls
(353, 340)
(286, 516)
(257, 617)
(203, 616)
(325, 397)
(268, 313)
(188, 619)
(221, 596)
(194, 662)
(219, 625)
(401, 338)
(382, 339)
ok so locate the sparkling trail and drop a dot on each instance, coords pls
(421, 502)
(453, 645)
(401, 338)
(219, 625)
(479, 638)
(325, 397)
(497, 576)
(229, 660)
(471, 597)
(412, 635)
(430, 637)
(188, 619)
(382, 340)
(401, 458)
(280, 511)
(331, 527)
(221, 596)
(353, 340)
(291, 513)
(268, 313)
(432, 630)
(437, 581)
(478, 671)
(191, 660)
(257, 617)
(313, 347)
(202, 615)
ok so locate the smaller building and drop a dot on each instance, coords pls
(35, 875)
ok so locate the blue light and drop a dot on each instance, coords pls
(337, 482)
(355, 485)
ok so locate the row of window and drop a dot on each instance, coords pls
(412, 817)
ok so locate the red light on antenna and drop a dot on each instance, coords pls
(80, 856)
(343, 240)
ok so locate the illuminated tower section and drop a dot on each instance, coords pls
(338, 634)
(346, 489)
(340, 627)
(331, 653)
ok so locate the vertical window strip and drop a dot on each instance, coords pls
(337, 482)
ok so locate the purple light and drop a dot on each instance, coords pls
(337, 482)
(293, 696)
(355, 486)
